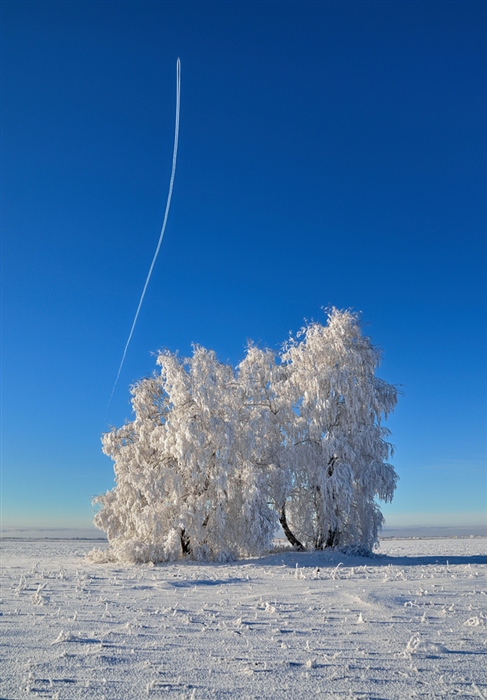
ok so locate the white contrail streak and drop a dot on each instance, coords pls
(168, 204)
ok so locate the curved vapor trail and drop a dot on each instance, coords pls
(168, 204)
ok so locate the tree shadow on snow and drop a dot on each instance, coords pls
(334, 558)
(191, 583)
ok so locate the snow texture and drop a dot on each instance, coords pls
(407, 623)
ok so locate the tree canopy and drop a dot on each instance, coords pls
(216, 457)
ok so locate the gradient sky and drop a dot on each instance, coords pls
(331, 153)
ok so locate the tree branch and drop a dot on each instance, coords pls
(287, 531)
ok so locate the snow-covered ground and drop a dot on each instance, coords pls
(409, 623)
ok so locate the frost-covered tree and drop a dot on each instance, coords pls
(188, 480)
(336, 447)
(216, 456)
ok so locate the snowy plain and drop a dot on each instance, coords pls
(408, 623)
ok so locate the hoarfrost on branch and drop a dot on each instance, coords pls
(216, 457)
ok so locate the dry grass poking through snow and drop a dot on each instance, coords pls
(411, 623)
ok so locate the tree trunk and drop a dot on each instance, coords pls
(332, 538)
(318, 503)
(292, 539)
(185, 544)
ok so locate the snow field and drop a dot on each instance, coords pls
(408, 624)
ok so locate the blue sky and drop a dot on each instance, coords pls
(331, 153)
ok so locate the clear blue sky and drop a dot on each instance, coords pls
(331, 153)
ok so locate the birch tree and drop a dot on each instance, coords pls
(337, 449)
(188, 477)
(216, 456)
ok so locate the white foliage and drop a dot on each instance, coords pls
(216, 455)
(186, 482)
(337, 448)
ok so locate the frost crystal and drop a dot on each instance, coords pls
(215, 456)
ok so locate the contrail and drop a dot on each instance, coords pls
(168, 204)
